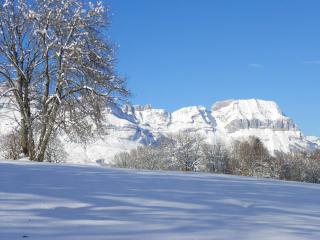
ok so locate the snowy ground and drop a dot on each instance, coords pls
(41, 201)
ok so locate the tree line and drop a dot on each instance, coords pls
(190, 152)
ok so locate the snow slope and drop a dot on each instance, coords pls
(227, 121)
(314, 139)
(70, 202)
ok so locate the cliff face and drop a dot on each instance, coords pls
(252, 114)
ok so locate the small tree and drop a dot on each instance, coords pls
(184, 150)
(143, 157)
(312, 171)
(9, 145)
(122, 160)
(215, 158)
(251, 158)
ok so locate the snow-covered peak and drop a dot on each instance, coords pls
(248, 109)
(233, 115)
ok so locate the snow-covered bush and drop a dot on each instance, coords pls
(143, 157)
(183, 151)
(55, 151)
(10, 146)
(122, 160)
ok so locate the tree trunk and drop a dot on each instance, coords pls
(43, 145)
(31, 145)
(48, 133)
(24, 138)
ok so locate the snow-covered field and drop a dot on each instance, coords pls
(42, 201)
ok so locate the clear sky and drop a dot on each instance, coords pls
(177, 53)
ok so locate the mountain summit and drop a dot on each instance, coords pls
(252, 113)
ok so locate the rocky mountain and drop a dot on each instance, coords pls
(127, 127)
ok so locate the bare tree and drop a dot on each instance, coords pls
(18, 57)
(143, 157)
(300, 166)
(9, 145)
(184, 149)
(251, 158)
(57, 66)
(215, 158)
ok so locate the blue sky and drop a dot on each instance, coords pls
(177, 53)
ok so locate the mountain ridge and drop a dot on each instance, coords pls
(129, 126)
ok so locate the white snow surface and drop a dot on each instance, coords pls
(130, 126)
(81, 202)
(314, 139)
(248, 109)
